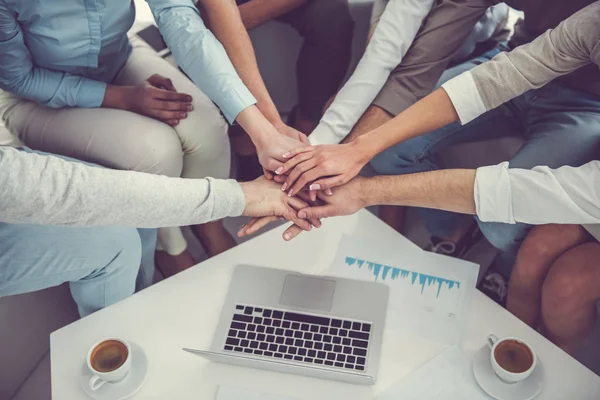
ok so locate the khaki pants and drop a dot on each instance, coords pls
(197, 148)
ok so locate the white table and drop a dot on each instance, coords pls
(183, 312)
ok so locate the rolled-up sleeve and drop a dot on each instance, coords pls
(202, 57)
(19, 75)
(539, 196)
(391, 40)
(574, 43)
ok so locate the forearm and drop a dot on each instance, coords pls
(450, 190)
(256, 125)
(257, 12)
(226, 24)
(39, 189)
(430, 113)
(201, 55)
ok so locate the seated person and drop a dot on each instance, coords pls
(76, 87)
(63, 221)
(559, 121)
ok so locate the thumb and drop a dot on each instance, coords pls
(317, 212)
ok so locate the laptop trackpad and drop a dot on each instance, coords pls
(307, 292)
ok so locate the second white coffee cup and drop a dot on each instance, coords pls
(508, 376)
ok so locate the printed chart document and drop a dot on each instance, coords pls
(449, 376)
(430, 294)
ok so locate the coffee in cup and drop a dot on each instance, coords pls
(109, 356)
(109, 360)
(512, 358)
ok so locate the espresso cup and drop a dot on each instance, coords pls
(512, 358)
(109, 360)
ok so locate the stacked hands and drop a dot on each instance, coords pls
(299, 178)
(300, 182)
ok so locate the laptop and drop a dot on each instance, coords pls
(324, 327)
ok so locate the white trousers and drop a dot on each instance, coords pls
(197, 147)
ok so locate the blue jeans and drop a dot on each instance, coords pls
(560, 126)
(101, 264)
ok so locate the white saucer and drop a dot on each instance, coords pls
(125, 388)
(486, 378)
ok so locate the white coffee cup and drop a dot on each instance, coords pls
(508, 376)
(99, 378)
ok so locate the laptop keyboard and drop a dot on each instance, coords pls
(301, 337)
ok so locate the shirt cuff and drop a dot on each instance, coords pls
(229, 198)
(493, 197)
(91, 94)
(237, 100)
(323, 135)
(465, 97)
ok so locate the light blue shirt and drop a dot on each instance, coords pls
(64, 53)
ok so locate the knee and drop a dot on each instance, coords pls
(204, 135)
(331, 21)
(504, 237)
(127, 248)
(542, 246)
(562, 290)
(572, 280)
(159, 152)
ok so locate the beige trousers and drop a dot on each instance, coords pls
(197, 148)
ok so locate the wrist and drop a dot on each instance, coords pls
(115, 97)
(364, 149)
(366, 198)
(256, 125)
(269, 111)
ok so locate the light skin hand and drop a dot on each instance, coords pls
(345, 200)
(265, 199)
(258, 222)
(323, 167)
(156, 98)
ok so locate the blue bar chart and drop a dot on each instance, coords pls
(429, 294)
(385, 272)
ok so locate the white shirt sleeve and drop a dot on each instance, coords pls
(566, 195)
(391, 40)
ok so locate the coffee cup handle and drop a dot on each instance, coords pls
(491, 340)
(96, 383)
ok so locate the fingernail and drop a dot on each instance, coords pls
(291, 192)
(242, 227)
(302, 214)
(329, 192)
(188, 99)
(182, 115)
(278, 170)
(287, 236)
(286, 155)
(190, 107)
(176, 121)
(315, 186)
(284, 186)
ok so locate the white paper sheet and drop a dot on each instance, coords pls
(449, 376)
(234, 393)
(430, 294)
